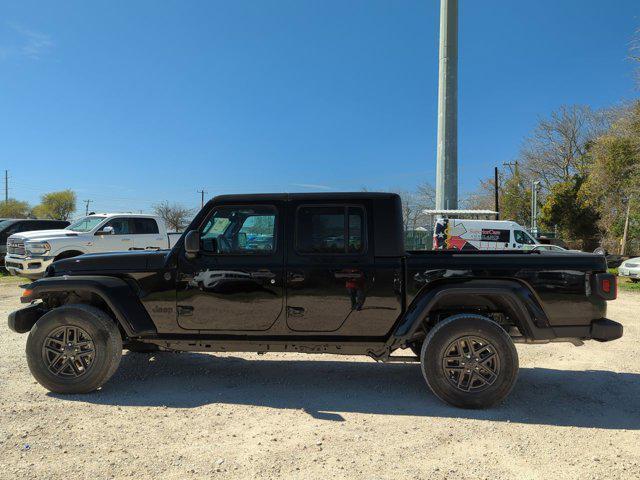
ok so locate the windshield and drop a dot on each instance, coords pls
(85, 224)
(6, 223)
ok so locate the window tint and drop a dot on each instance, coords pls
(15, 228)
(240, 231)
(121, 226)
(356, 229)
(336, 229)
(522, 237)
(145, 226)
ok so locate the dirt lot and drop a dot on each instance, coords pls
(574, 413)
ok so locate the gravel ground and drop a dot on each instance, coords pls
(574, 413)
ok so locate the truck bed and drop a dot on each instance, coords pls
(560, 280)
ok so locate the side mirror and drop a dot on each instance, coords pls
(192, 243)
(106, 231)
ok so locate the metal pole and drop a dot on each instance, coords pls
(6, 186)
(623, 242)
(447, 150)
(495, 188)
(534, 208)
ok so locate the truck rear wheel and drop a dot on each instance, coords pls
(74, 349)
(469, 361)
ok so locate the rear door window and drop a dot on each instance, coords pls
(330, 230)
(145, 226)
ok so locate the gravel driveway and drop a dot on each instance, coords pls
(574, 413)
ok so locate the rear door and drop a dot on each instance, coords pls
(329, 266)
(147, 234)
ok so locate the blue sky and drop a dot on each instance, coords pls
(131, 103)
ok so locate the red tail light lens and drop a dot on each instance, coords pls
(605, 285)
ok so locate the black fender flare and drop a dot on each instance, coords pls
(519, 299)
(115, 292)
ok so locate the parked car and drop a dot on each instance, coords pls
(332, 276)
(30, 253)
(464, 234)
(630, 269)
(10, 226)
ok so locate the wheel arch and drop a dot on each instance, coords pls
(110, 293)
(512, 297)
(68, 253)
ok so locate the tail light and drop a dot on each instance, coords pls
(606, 285)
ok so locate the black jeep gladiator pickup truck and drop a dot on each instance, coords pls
(314, 273)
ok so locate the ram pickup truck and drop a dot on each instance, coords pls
(30, 253)
(313, 273)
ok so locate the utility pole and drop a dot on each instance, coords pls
(201, 192)
(511, 166)
(534, 207)
(623, 242)
(496, 186)
(447, 151)
(6, 186)
(87, 202)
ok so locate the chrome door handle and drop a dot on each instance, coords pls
(268, 274)
(295, 277)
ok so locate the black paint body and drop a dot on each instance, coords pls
(368, 302)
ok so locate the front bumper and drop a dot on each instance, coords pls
(629, 272)
(30, 267)
(23, 320)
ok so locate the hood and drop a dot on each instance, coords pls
(134, 261)
(45, 234)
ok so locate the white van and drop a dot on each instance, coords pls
(462, 234)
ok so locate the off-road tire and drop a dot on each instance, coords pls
(105, 337)
(438, 343)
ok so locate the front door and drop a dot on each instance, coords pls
(236, 282)
(120, 240)
(329, 268)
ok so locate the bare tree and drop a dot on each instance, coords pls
(414, 204)
(557, 148)
(175, 216)
(634, 53)
(483, 198)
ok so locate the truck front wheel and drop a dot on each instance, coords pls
(469, 361)
(74, 349)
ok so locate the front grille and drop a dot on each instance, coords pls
(15, 247)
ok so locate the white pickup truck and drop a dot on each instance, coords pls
(30, 253)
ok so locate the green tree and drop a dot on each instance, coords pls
(515, 199)
(13, 208)
(566, 210)
(614, 175)
(56, 205)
